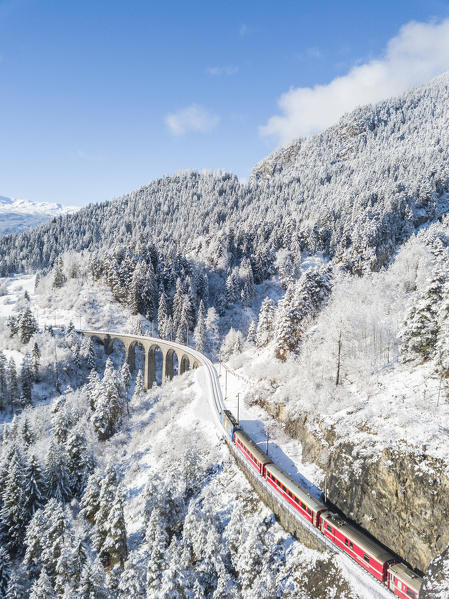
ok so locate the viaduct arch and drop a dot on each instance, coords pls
(185, 360)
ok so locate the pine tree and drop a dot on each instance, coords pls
(139, 388)
(90, 501)
(287, 330)
(26, 433)
(233, 286)
(199, 334)
(106, 499)
(110, 404)
(125, 377)
(13, 325)
(17, 587)
(265, 323)
(251, 336)
(5, 571)
(57, 473)
(132, 581)
(80, 462)
(57, 534)
(27, 325)
(150, 293)
(93, 388)
(65, 570)
(34, 487)
(36, 354)
(114, 547)
(157, 541)
(59, 277)
(26, 381)
(247, 282)
(213, 336)
(3, 381)
(34, 543)
(12, 512)
(90, 354)
(178, 301)
(136, 287)
(43, 588)
(162, 316)
(419, 333)
(13, 385)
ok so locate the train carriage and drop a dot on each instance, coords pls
(257, 458)
(365, 551)
(403, 582)
(306, 504)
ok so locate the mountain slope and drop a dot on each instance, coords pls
(17, 216)
(354, 192)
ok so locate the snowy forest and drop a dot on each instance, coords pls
(322, 285)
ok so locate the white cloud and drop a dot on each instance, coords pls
(225, 70)
(419, 52)
(191, 118)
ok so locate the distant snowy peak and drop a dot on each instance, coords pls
(18, 215)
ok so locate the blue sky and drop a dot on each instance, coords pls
(98, 98)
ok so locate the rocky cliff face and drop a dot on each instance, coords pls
(401, 497)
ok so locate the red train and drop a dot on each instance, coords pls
(378, 561)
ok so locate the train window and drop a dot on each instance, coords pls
(284, 488)
(351, 546)
(290, 493)
(346, 542)
(296, 499)
(279, 484)
(411, 593)
(309, 511)
(366, 558)
(303, 505)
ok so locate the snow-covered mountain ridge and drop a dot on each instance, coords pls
(18, 215)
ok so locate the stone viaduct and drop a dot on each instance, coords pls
(151, 345)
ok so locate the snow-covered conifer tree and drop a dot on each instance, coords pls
(13, 385)
(34, 487)
(26, 380)
(5, 571)
(420, 329)
(251, 336)
(90, 501)
(265, 323)
(199, 334)
(213, 336)
(57, 473)
(12, 514)
(114, 546)
(27, 325)
(59, 277)
(36, 354)
(42, 587)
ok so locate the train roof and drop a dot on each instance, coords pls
(360, 539)
(315, 504)
(255, 449)
(411, 579)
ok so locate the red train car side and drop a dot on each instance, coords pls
(303, 501)
(252, 452)
(361, 548)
